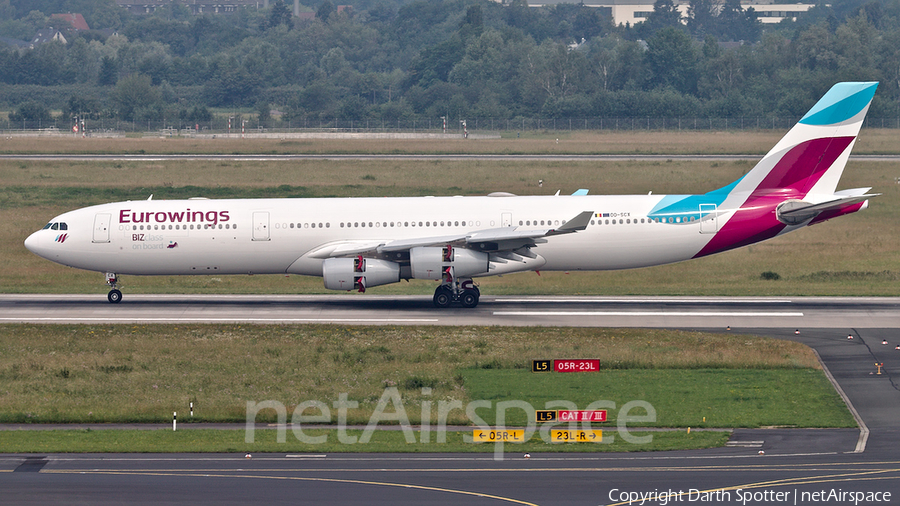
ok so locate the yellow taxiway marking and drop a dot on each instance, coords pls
(301, 478)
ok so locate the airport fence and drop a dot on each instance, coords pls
(250, 125)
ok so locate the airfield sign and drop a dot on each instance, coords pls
(576, 436)
(493, 436)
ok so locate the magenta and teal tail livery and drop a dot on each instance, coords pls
(359, 243)
(794, 184)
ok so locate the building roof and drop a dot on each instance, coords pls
(15, 42)
(76, 20)
(46, 35)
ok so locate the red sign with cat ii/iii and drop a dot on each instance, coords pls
(581, 416)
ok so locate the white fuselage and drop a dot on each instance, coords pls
(267, 236)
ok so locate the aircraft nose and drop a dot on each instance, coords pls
(37, 244)
(31, 243)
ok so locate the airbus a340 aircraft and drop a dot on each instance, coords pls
(357, 243)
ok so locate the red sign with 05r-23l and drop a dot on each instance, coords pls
(576, 365)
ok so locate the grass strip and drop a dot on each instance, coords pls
(754, 142)
(265, 441)
(680, 397)
(143, 373)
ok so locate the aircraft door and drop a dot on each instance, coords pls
(260, 225)
(101, 227)
(709, 219)
(506, 220)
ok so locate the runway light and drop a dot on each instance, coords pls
(884, 341)
(728, 327)
(849, 337)
(762, 452)
(248, 456)
(797, 332)
(527, 455)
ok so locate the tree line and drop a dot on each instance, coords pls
(400, 60)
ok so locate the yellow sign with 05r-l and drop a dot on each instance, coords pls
(493, 436)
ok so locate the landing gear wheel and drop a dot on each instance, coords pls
(469, 298)
(442, 297)
(114, 296)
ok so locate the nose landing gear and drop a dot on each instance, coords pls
(115, 295)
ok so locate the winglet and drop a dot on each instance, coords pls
(576, 224)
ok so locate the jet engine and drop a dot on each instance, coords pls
(434, 263)
(358, 273)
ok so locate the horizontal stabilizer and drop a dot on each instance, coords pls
(796, 212)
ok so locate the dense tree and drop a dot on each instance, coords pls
(109, 71)
(279, 15)
(665, 14)
(135, 97)
(701, 17)
(31, 112)
(325, 11)
(395, 59)
(83, 107)
(672, 60)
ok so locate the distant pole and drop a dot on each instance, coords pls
(174, 418)
(444, 121)
(192, 409)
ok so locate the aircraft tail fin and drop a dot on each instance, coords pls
(794, 184)
(811, 157)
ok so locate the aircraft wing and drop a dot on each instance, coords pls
(493, 239)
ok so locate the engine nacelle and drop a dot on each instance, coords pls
(358, 273)
(432, 263)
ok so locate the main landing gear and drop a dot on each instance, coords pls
(463, 291)
(115, 295)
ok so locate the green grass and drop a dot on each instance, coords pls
(265, 441)
(681, 398)
(136, 373)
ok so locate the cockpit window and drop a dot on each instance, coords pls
(56, 226)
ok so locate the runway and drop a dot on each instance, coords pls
(408, 157)
(733, 475)
(819, 466)
(662, 312)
